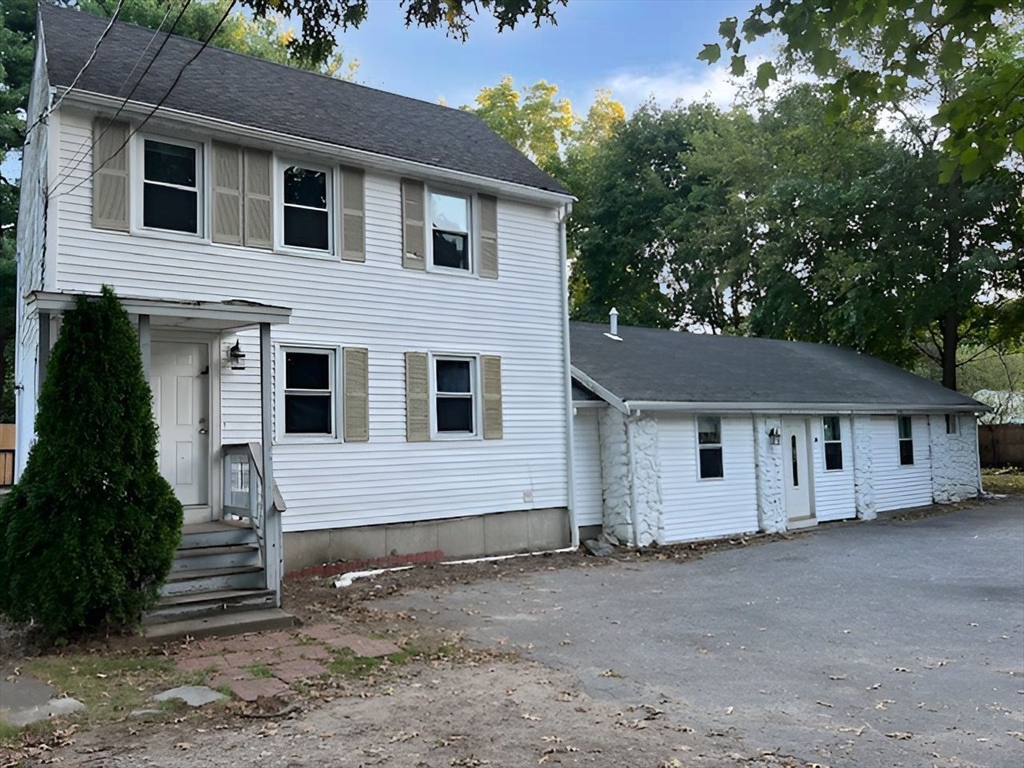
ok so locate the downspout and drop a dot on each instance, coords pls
(574, 531)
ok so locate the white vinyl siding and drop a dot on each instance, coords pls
(389, 310)
(587, 455)
(833, 489)
(900, 486)
(693, 509)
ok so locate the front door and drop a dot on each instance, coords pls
(795, 469)
(179, 378)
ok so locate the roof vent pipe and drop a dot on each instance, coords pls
(613, 319)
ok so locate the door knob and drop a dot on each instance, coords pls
(202, 431)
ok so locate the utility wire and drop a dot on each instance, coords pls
(92, 55)
(83, 152)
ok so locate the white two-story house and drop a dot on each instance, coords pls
(353, 298)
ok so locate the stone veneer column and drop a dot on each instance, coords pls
(954, 459)
(646, 479)
(630, 474)
(863, 474)
(616, 489)
(771, 505)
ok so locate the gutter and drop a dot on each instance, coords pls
(798, 409)
(574, 531)
(345, 155)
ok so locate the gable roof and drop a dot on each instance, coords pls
(260, 94)
(653, 365)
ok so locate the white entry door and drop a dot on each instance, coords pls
(795, 469)
(179, 378)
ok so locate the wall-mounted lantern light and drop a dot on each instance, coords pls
(774, 436)
(237, 357)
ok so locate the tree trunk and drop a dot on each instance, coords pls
(950, 321)
(950, 327)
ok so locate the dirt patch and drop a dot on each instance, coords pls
(1008, 480)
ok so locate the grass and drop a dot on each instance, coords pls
(1009, 480)
(260, 671)
(9, 732)
(347, 664)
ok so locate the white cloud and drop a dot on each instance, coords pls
(713, 83)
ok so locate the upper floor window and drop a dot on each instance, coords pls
(170, 186)
(833, 443)
(709, 447)
(306, 208)
(450, 234)
(906, 430)
(952, 423)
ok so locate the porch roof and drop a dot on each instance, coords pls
(176, 313)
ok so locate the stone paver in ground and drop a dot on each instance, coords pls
(193, 695)
(250, 690)
(295, 671)
(293, 652)
(25, 700)
(360, 646)
(198, 663)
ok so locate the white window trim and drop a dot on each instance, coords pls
(137, 182)
(280, 163)
(720, 444)
(899, 442)
(824, 444)
(334, 369)
(473, 236)
(474, 387)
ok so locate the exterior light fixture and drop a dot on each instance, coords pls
(774, 436)
(237, 357)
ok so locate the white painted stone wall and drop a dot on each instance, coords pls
(955, 470)
(646, 479)
(616, 485)
(863, 476)
(630, 474)
(771, 503)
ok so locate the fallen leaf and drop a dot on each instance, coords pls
(837, 677)
(874, 687)
(824, 704)
(884, 703)
(183, 745)
(900, 669)
(900, 735)
(729, 710)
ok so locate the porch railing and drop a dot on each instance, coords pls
(244, 487)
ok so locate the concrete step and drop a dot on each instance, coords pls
(204, 558)
(225, 624)
(214, 580)
(217, 533)
(194, 605)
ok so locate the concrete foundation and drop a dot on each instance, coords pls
(504, 533)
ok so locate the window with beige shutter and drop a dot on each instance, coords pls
(258, 203)
(355, 391)
(493, 424)
(353, 215)
(488, 237)
(417, 397)
(414, 247)
(227, 193)
(110, 175)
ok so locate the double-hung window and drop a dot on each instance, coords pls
(171, 181)
(309, 392)
(450, 231)
(952, 423)
(709, 447)
(306, 201)
(906, 432)
(833, 443)
(455, 396)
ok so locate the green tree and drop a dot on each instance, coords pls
(886, 51)
(88, 533)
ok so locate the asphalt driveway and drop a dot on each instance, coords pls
(881, 644)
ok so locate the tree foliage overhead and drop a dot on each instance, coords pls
(88, 533)
(969, 52)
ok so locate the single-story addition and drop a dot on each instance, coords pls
(684, 436)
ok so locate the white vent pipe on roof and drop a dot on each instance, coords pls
(613, 319)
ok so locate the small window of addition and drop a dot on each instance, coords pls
(833, 443)
(709, 445)
(450, 234)
(952, 423)
(307, 219)
(455, 396)
(906, 431)
(170, 187)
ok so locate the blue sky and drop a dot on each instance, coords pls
(633, 47)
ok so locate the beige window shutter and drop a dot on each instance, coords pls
(353, 215)
(493, 424)
(356, 394)
(227, 194)
(414, 249)
(110, 175)
(417, 397)
(489, 236)
(259, 212)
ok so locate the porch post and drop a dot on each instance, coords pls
(44, 349)
(271, 519)
(145, 348)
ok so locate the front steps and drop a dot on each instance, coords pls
(217, 586)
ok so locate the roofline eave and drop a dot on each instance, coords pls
(802, 408)
(359, 157)
(605, 394)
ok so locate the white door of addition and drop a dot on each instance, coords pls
(179, 378)
(796, 469)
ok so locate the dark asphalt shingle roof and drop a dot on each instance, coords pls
(652, 364)
(260, 94)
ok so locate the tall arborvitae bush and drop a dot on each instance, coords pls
(88, 533)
